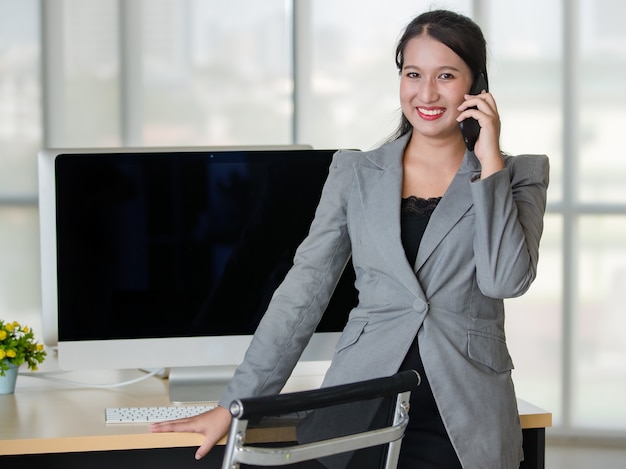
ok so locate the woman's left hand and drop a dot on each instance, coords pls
(487, 147)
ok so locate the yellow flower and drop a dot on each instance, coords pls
(19, 346)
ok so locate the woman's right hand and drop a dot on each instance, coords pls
(213, 424)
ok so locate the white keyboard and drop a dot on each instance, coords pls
(152, 414)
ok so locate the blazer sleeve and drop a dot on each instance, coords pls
(300, 301)
(509, 209)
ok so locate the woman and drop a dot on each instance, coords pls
(439, 236)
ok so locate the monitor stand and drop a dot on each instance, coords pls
(199, 383)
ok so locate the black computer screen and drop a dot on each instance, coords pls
(176, 244)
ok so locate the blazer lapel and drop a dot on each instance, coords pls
(453, 205)
(380, 186)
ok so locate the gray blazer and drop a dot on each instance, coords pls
(481, 245)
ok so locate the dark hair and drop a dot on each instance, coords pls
(456, 31)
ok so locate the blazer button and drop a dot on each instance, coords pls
(420, 306)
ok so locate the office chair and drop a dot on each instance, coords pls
(324, 426)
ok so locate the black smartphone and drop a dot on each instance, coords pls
(470, 127)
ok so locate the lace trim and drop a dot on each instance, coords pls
(419, 205)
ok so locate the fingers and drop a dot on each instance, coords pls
(188, 426)
(482, 107)
(181, 425)
(216, 424)
(483, 102)
(213, 425)
(206, 446)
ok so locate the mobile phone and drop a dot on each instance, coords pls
(470, 127)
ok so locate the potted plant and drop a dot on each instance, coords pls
(17, 346)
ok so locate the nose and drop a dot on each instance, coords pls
(428, 91)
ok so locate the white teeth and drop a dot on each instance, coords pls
(431, 112)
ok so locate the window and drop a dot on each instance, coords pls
(168, 72)
(20, 138)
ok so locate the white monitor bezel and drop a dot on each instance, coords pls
(208, 359)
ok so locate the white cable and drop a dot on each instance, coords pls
(47, 376)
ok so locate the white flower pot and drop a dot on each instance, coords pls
(7, 382)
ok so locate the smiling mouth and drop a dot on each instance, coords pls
(430, 113)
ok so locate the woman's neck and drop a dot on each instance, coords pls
(430, 166)
(439, 151)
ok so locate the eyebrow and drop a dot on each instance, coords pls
(440, 69)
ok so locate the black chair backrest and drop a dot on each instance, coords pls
(328, 424)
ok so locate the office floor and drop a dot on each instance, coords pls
(565, 456)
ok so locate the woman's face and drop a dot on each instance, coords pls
(433, 83)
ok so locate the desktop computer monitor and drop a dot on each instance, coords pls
(167, 258)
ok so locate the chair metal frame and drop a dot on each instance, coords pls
(243, 410)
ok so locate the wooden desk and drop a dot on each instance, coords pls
(49, 421)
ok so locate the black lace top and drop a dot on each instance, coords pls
(414, 215)
(426, 439)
